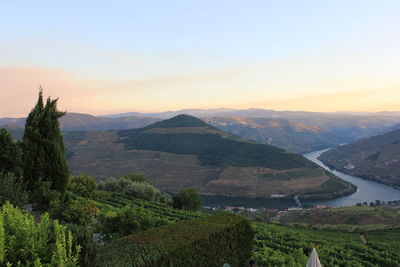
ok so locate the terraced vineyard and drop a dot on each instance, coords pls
(276, 245)
(118, 200)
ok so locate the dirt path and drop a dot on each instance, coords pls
(363, 239)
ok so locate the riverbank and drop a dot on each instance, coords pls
(367, 191)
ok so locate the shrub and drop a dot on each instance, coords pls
(84, 238)
(12, 190)
(80, 211)
(44, 197)
(82, 185)
(23, 243)
(135, 185)
(136, 177)
(127, 220)
(187, 199)
(111, 184)
(10, 154)
(207, 241)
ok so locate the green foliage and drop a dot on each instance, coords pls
(208, 241)
(43, 147)
(12, 190)
(214, 149)
(128, 220)
(82, 185)
(24, 243)
(187, 199)
(134, 185)
(10, 154)
(276, 245)
(84, 237)
(136, 177)
(165, 212)
(80, 211)
(45, 197)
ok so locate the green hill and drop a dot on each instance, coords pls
(376, 158)
(187, 135)
(186, 152)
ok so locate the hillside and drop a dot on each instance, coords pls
(358, 218)
(186, 152)
(86, 122)
(298, 132)
(290, 135)
(302, 132)
(376, 158)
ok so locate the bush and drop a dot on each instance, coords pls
(135, 185)
(187, 199)
(82, 185)
(24, 243)
(10, 154)
(12, 190)
(207, 241)
(81, 211)
(84, 238)
(111, 184)
(128, 220)
(46, 198)
(136, 177)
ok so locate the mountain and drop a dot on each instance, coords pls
(298, 132)
(184, 151)
(290, 135)
(303, 134)
(259, 113)
(376, 158)
(86, 122)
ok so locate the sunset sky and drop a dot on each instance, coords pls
(104, 57)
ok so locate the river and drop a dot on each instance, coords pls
(367, 191)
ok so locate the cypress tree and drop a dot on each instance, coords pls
(43, 147)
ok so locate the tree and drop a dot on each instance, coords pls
(83, 185)
(43, 147)
(187, 199)
(10, 154)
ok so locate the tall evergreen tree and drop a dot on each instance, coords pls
(43, 147)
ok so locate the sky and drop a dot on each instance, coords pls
(104, 57)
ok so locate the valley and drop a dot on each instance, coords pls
(375, 158)
(186, 152)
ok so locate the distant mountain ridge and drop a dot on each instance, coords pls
(87, 122)
(299, 132)
(184, 151)
(376, 158)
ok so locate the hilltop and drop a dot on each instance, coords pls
(187, 152)
(298, 132)
(376, 158)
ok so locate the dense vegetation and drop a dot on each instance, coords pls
(375, 158)
(276, 245)
(187, 199)
(359, 218)
(212, 148)
(25, 243)
(207, 241)
(131, 223)
(135, 185)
